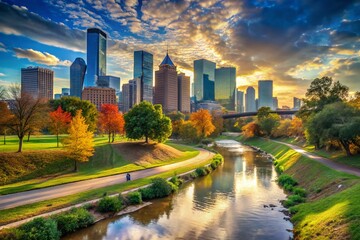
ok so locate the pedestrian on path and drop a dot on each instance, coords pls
(128, 177)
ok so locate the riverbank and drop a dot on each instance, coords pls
(332, 208)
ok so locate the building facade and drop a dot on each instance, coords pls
(204, 76)
(111, 82)
(183, 93)
(77, 75)
(166, 86)
(225, 87)
(65, 92)
(131, 94)
(99, 96)
(297, 103)
(37, 82)
(265, 93)
(240, 101)
(250, 103)
(96, 56)
(275, 103)
(143, 69)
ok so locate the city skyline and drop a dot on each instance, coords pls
(303, 42)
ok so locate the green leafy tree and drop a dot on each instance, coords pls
(145, 120)
(322, 91)
(267, 121)
(336, 122)
(73, 104)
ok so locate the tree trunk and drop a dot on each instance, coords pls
(28, 140)
(346, 147)
(113, 137)
(20, 143)
(75, 166)
(57, 140)
(146, 139)
(109, 136)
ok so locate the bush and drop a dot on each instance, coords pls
(147, 193)
(84, 217)
(161, 187)
(201, 171)
(286, 179)
(11, 234)
(134, 198)
(207, 141)
(288, 187)
(299, 191)
(174, 188)
(40, 229)
(71, 221)
(109, 204)
(176, 180)
(293, 200)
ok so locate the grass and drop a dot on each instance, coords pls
(105, 162)
(332, 209)
(30, 210)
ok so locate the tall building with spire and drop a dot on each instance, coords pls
(96, 56)
(166, 85)
(77, 75)
(143, 69)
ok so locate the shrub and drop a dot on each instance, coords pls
(174, 188)
(134, 198)
(40, 229)
(109, 204)
(67, 223)
(176, 180)
(161, 187)
(288, 187)
(201, 171)
(286, 179)
(147, 193)
(11, 234)
(293, 200)
(207, 141)
(84, 217)
(299, 191)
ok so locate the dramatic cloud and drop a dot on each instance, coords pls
(39, 57)
(2, 75)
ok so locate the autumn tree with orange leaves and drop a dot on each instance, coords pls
(111, 121)
(59, 122)
(201, 120)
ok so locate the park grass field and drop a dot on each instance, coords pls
(332, 210)
(106, 161)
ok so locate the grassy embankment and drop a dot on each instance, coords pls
(43, 165)
(332, 210)
(337, 156)
(26, 211)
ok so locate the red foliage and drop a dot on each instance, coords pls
(111, 120)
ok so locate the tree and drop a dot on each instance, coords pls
(218, 122)
(147, 120)
(267, 121)
(336, 122)
(177, 119)
(79, 144)
(5, 119)
(322, 91)
(283, 130)
(296, 128)
(26, 111)
(188, 132)
(201, 120)
(59, 121)
(251, 129)
(73, 104)
(111, 121)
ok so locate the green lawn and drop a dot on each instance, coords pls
(106, 161)
(26, 211)
(331, 212)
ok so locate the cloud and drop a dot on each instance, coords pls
(2, 75)
(2, 47)
(39, 57)
(18, 21)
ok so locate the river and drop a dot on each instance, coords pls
(227, 204)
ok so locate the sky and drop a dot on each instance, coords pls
(289, 42)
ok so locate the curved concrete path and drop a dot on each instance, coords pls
(23, 198)
(334, 165)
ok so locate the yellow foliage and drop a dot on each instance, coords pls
(202, 121)
(79, 143)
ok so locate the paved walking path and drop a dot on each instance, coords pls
(334, 165)
(23, 198)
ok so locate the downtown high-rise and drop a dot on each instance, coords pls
(37, 82)
(96, 56)
(143, 69)
(204, 80)
(250, 102)
(240, 101)
(265, 93)
(225, 87)
(77, 75)
(183, 93)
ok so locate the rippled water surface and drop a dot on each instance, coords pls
(227, 204)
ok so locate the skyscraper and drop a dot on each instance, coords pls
(96, 56)
(240, 101)
(265, 93)
(99, 96)
(77, 75)
(131, 94)
(143, 69)
(38, 82)
(65, 92)
(166, 85)
(275, 103)
(111, 82)
(183, 93)
(297, 103)
(204, 69)
(250, 104)
(225, 84)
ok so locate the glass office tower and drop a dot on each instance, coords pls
(240, 101)
(143, 69)
(77, 75)
(250, 102)
(265, 93)
(203, 67)
(225, 84)
(96, 56)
